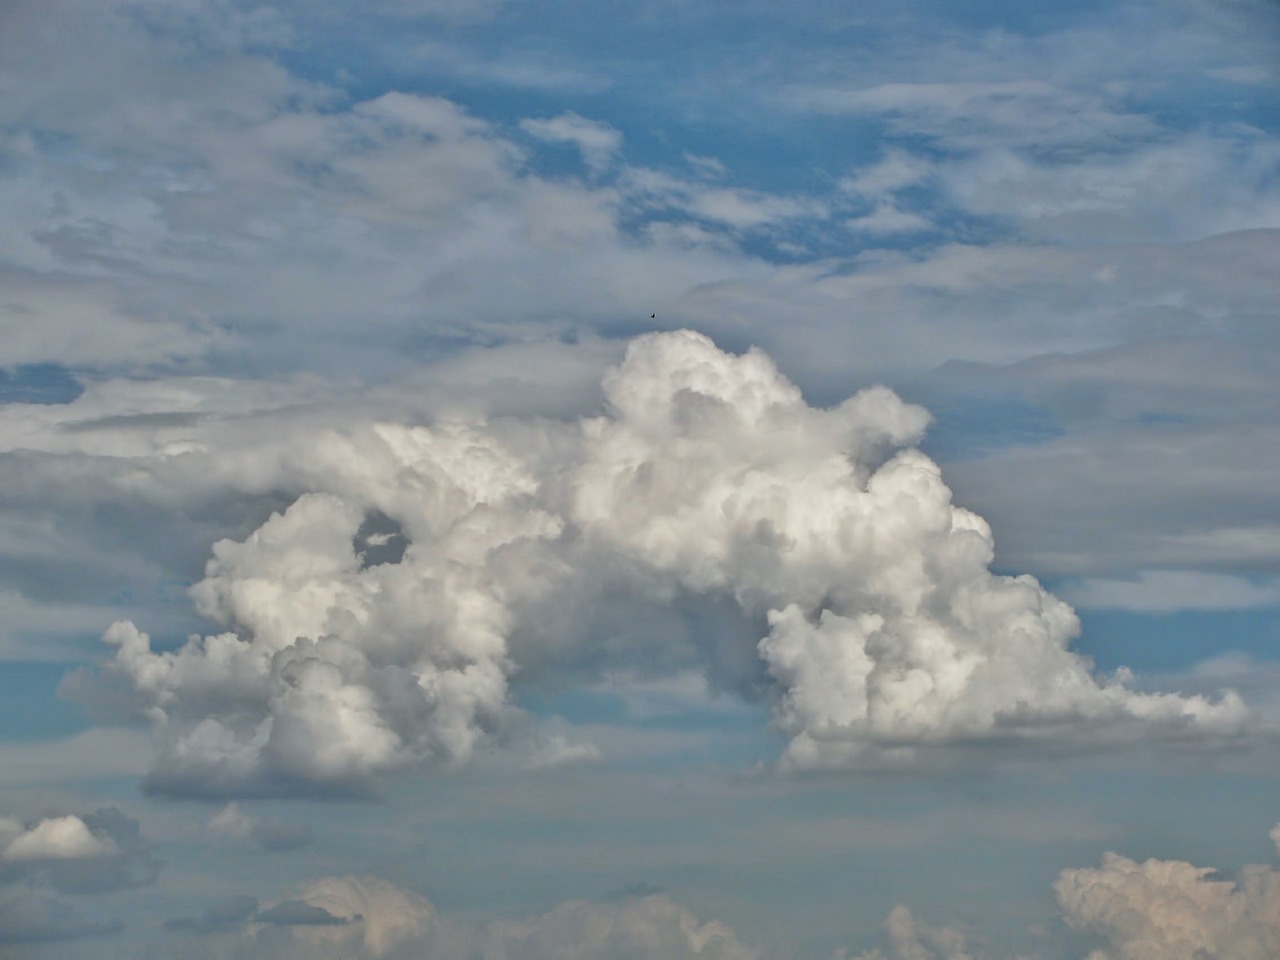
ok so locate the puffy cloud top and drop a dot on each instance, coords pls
(57, 838)
(1172, 910)
(881, 632)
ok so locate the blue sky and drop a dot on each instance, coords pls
(650, 480)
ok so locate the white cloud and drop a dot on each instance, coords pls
(885, 634)
(57, 838)
(206, 209)
(598, 142)
(1172, 910)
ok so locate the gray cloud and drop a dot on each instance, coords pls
(298, 913)
(270, 833)
(226, 914)
(34, 918)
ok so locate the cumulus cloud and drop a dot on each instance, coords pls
(1173, 910)
(911, 940)
(92, 853)
(57, 838)
(1153, 910)
(862, 589)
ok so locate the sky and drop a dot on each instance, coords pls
(498, 480)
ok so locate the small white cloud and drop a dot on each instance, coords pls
(57, 838)
(598, 142)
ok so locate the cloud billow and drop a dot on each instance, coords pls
(882, 634)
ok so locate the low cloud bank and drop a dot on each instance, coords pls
(1126, 910)
(1121, 910)
(368, 917)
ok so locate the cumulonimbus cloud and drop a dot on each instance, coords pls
(380, 620)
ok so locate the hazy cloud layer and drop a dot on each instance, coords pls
(1165, 909)
(368, 917)
(34, 918)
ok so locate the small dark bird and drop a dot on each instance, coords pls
(653, 316)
